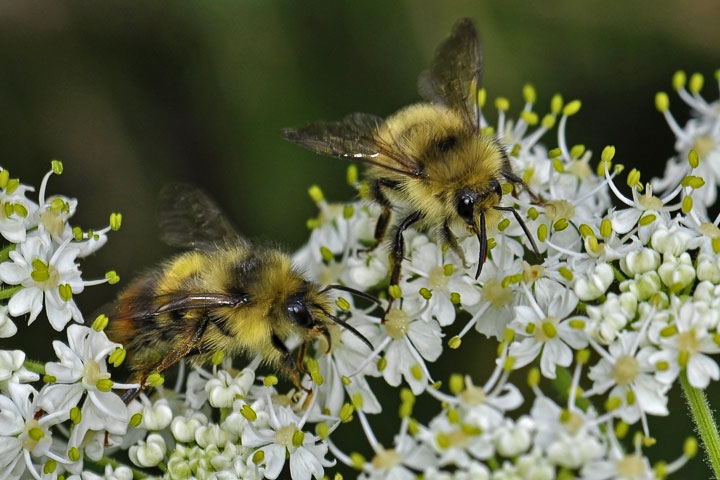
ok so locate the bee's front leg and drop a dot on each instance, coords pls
(452, 241)
(288, 364)
(398, 251)
(384, 219)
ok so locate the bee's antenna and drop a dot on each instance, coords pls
(346, 326)
(482, 238)
(354, 291)
(523, 226)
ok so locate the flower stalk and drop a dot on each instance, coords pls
(704, 422)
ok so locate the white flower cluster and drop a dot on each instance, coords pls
(621, 305)
(45, 433)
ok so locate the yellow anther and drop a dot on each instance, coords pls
(65, 292)
(217, 357)
(556, 103)
(258, 457)
(647, 219)
(533, 378)
(351, 175)
(582, 356)
(561, 224)
(606, 228)
(555, 153)
(454, 342)
(690, 447)
(696, 83)
(533, 213)
(425, 293)
(531, 118)
(117, 357)
(577, 324)
(395, 291)
(100, 322)
(115, 221)
(585, 230)
(678, 80)
(687, 204)
(693, 158)
(342, 304)
(57, 167)
(692, 181)
(529, 94)
(662, 102)
(456, 384)
(558, 165)
(348, 212)
(577, 151)
(571, 108)
(542, 232)
(548, 121)
(104, 384)
(502, 104)
(633, 179)
(326, 254)
(316, 194)
(136, 420)
(248, 412)
(481, 97)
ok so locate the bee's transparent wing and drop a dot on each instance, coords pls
(455, 74)
(190, 219)
(353, 138)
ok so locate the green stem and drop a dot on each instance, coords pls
(700, 411)
(6, 293)
(5, 252)
(563, 383)
(100, 464)
(35, 366)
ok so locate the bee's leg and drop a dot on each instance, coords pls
(451, 239)
(517, 181)
(302, 350)
(181, 350)
(384, 218)
(398, 251)
(288, 363)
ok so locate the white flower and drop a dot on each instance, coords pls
(595, 284)
(149, 452)
(677, 272)
(12, 369)
(610, 317)
(21, 435)
(284, 437)
(16, 211)
(44, 271)
(514, 438)
(685, 344)
(184, 428)
(222, 389)
(156, 416)
(543, 327)
(627, 368)
(82, 370)
(7, 327)
(440, 281)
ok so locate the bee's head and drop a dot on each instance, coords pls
(309, 312)
(468, 201)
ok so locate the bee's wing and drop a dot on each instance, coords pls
(144, 307)
(353, 138)
(455, 74)
(190, 219)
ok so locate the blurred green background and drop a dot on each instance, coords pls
(132, 95)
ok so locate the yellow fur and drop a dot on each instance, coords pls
(267, 282)
(471, 164)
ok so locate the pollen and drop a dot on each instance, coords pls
(437, 280)
(625, 370)
(558, 209)
(397, 324)
(386, 459)
(630, 466)
(531, 273)
(285, 435)
(498, 295)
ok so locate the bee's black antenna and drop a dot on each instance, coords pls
(354, 291)
(482, 238)
(523, 226)
(346, 326)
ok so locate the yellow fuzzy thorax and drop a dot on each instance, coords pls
(472, 162)
(264, 276)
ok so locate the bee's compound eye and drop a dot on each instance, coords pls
(466, 207)
(495, 185)
(299, 314)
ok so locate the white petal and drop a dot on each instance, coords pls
(12, 273)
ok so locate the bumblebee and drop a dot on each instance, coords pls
(224, 294)
(429, 164)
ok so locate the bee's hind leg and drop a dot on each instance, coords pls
(384, 219)
(452, 241)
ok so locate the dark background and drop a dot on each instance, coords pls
(134, 95)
